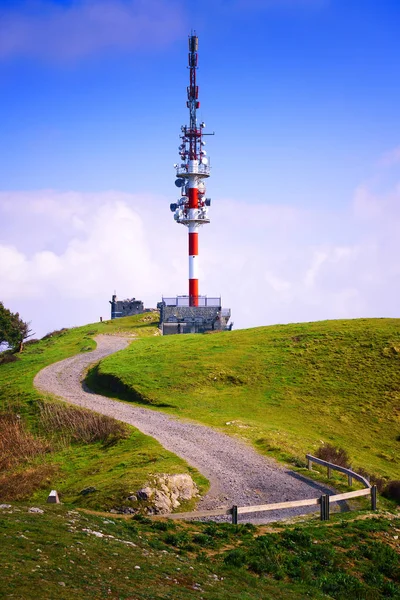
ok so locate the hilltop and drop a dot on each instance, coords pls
(287, 389)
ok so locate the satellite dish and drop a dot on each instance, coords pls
(179, 182)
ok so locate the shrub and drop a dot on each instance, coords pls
(235, 558)
(55, 333)
(17, 445)
(392, 491)
(342, 586)
(163, 525)
(8, 357)
(337, 456)
(17, 486)
(380, 482)
(296, 538)
(80, 425)
(179, 540)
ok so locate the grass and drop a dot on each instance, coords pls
(64, 448)
(287, 388)
(69, 554)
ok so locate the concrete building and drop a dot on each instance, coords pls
(177, 316)
(126, 308)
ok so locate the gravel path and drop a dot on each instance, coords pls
(237, 473)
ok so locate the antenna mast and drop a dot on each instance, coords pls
(191, 209)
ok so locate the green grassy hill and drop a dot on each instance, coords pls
(67, 554)
(286, 388)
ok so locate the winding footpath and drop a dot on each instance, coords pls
(237, 473)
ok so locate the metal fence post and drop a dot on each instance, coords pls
(327, 507)
(373, 497)
(349, 480)
(234, 515)
(322, 508)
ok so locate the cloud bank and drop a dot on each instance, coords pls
(62, 255)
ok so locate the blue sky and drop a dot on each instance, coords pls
(303, 96)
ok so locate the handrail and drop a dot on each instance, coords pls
(350, 474)
(323, 501)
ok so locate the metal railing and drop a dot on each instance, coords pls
(203, 301)
(322, 501)
(201, 170)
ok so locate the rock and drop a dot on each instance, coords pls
(38, 511)
(145, 493)
(4, 506)
(167, 492)
(87, 490)
(132, 498)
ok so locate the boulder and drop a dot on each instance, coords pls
(166, 492)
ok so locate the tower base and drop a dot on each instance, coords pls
(177, 316)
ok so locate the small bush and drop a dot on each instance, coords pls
(142, 519)
(373, 479)
(204, 540)
(392, 491)
(80, 425)
(337, 456)
(8, 357)
(342, 586)
(235, 558)
(55, 333)
(21, 485)
(296, 538)
(179, 540)
(31, 342)
(163, 525)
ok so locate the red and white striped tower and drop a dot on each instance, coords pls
(191, 209)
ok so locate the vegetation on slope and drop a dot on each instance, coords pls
(46, 444)
(285, 388)
(67, 554)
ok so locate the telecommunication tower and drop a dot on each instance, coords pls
(194, 168)
(192, 313)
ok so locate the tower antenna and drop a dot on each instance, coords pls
(192, 207)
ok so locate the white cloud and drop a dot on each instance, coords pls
(62, 255)
(70, 31)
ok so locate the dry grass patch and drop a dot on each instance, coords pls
(21, 485)
(80, 425)
(18, 445)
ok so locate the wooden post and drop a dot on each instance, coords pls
(329, 473)
(309, 464)
(234, 515)
(373, 497)
(349, 480)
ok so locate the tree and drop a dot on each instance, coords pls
(13, 330)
